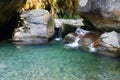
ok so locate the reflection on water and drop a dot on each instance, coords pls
(53, 62)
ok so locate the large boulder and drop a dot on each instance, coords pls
(37, 27)
(101, 15)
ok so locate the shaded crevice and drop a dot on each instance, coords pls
(7, 29)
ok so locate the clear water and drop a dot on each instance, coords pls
(53, 62)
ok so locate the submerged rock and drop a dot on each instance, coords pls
(101, 15)
(38, 26)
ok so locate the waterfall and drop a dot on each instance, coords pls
(58, 34)
(75, 44)
(91, 47)
(80, 32)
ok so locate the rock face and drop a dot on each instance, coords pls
(8, 15)
(101, 14)
(38, 26)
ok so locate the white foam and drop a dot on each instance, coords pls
(80, 31)
(91, 47)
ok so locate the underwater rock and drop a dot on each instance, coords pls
(101, 15)
(37, 26)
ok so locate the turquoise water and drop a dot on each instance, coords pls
(53, 62)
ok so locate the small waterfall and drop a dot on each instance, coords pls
(58, 34)
(75, 44)
(91, 47)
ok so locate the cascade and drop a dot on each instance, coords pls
(58, 34)
(80, 32)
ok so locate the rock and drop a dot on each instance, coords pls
(81, 38)
(111, 38)
(68, 25)
(109, 44)
(38, 26)
(89, 38)
(101, 15)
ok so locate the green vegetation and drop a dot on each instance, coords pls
(58, 8)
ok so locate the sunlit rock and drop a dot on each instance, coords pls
(111, 38)
(37, 26)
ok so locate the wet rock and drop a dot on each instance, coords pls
(100, 44)
(101, 15)
(83, 39)
(69, 38)
(37, 26)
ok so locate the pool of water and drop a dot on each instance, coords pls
(53, 62)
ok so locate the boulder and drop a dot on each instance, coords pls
(111, 39)
(37, 26)
(101, 15)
